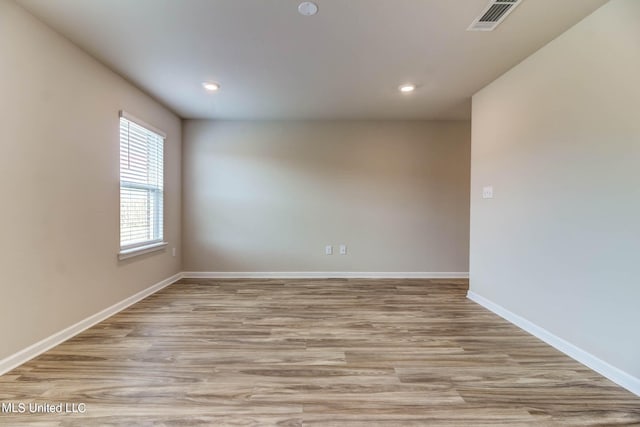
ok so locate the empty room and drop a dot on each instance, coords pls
(328, 212)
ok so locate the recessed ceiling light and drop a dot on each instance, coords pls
(307, 8)
(407, 88)
(211, 86)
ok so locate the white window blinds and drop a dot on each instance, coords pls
(141, 185)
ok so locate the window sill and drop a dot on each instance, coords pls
(141, 250)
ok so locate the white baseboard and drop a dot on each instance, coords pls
(17, 359)
(616, 375)
(321, 275)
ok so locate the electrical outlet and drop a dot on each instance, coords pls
(328, 250)
(343, 249)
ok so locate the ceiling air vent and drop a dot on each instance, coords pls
(493, 15)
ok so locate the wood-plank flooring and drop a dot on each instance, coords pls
(313, 352)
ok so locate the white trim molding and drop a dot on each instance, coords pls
(142, 123)
(141, 250)
(321, 275)
(17, 359)
(616, 375)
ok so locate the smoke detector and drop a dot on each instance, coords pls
(307, 8)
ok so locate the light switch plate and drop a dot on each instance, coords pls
(487, 192)
(343, 249)
(328, 250)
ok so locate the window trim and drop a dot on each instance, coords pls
(136, 249)
(144, 124)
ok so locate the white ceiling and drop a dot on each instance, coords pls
(345, 62)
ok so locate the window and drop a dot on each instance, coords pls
(141, 187)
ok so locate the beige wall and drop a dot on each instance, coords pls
(59, 184)
(558, 137)
(268, 196)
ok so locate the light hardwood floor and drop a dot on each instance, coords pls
(313, 352)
